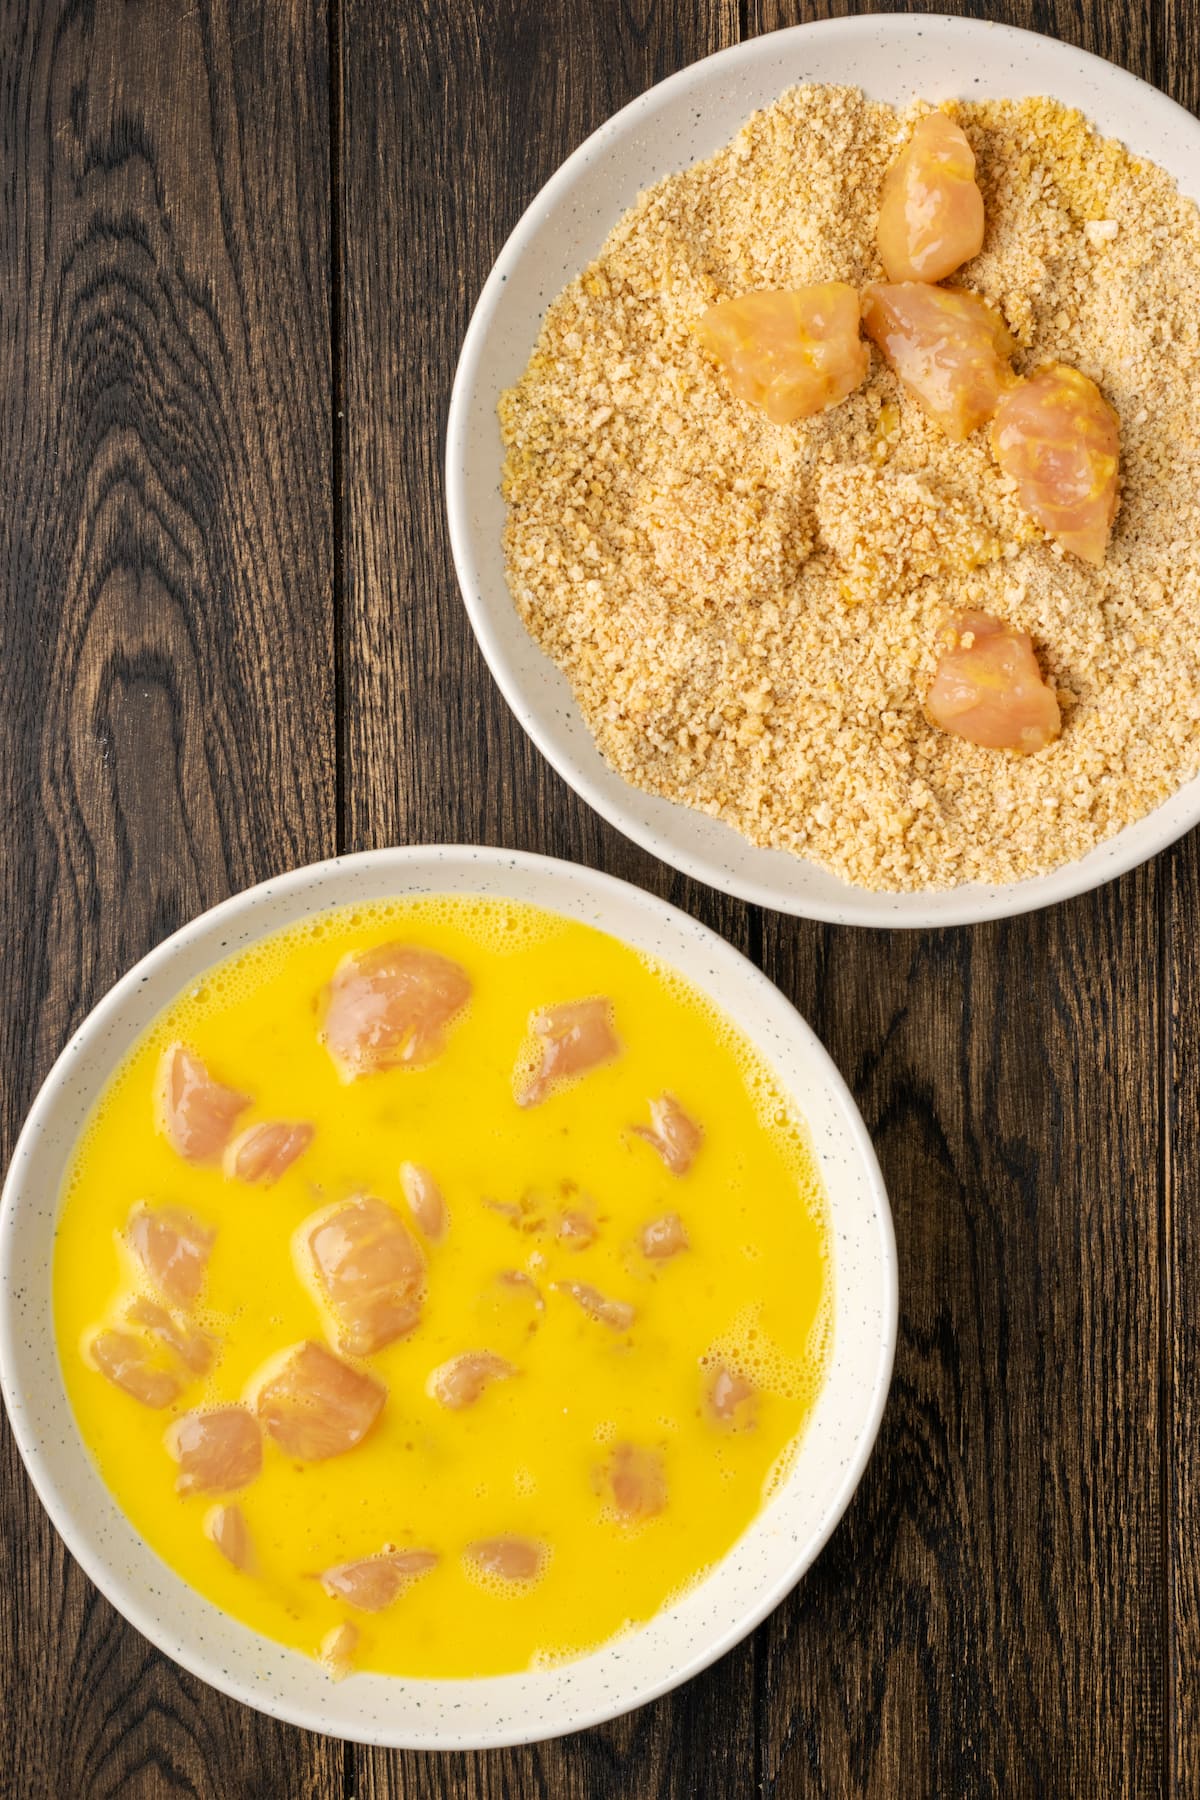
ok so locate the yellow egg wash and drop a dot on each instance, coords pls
(752, 1291)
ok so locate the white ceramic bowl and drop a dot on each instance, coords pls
(687, 117)
(750, 1580)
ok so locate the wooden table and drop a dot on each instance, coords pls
(240, 242)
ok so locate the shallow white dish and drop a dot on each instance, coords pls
(685, 118)
(750, 1580)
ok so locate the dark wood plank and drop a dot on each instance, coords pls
(989, 1619)
(1176, 42)
(1134, 36)
(1181, 1300)
(166, 728)
(992, 1616)
(451, 118)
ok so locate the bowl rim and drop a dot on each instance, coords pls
(92, 1029)
(965, 904)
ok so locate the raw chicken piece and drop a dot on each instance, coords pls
(263, 1152)
(196, 1113)
(618, 1314)
(425, 1201)
(931, 209)
(988, 688)
(664, 1237)
(194, 1348)
(575, 1037)
(226, 1527)
(730, 1397)
(510, 1558)
(794, 354)
(575, 1230)
(375, 1581)
(527, 1215)
(217, 1451)
(390, 1006)
(508, 1312)
(370, 1272)
(125, 1360)
(173, 1248)
(671, 1132)
(1060, 441)
(948, 347)
(516, 1281)
(461, 1381)
(638, 1482)
(337, 1650)
(314, 1405)
(505, 1209)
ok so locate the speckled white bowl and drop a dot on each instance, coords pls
(687, 117)
(750, 1580)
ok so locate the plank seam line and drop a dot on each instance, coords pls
(337, 331)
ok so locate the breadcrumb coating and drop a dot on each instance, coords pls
(750, 615)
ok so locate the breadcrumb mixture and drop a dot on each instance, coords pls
(750, 615)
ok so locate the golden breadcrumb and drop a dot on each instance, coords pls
(749, 615)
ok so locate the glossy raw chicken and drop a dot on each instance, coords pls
(196, 1112)
(793, 354)
(508, 1558)
(526, 1215)
(425, 1202)
(370, 1272)
(127, 1362)
(617, 1314)
(948, 347)
(314, 1405)
(673, 1133)
(390, 1006)
(988, 688)
(173, 1248)
(506, 1209)
(263, 1152)
(217, 1452)
(730, 1397)
(663, 1238)
(194, 1348)
(516, 1283)
(1060, 441)
(637, 1482)
(375, 1581)
(461, 1381)
(931, 209)
(226, 1527)
(572, 1038)
(575, 1229)
(337, 1650)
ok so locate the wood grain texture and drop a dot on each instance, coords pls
(196, 569)
(1180, 1447)
(1176, 54)
(166, 649)
(989, 1619)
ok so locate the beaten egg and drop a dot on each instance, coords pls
(441, 1286)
